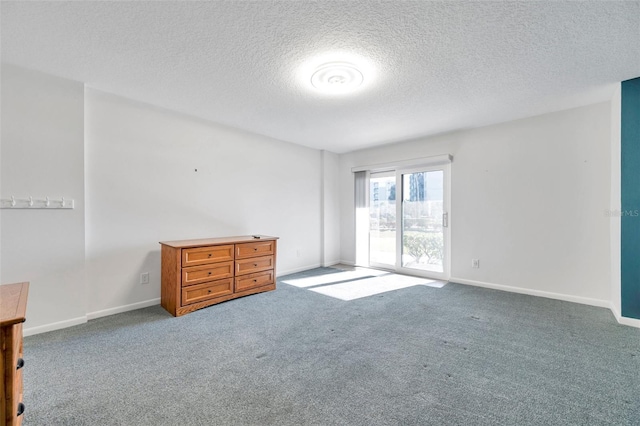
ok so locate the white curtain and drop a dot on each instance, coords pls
(361, 180)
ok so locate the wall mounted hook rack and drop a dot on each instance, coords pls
(36, 203)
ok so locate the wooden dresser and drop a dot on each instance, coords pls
(200, 273)
(13, 307)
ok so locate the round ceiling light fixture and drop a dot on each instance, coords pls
(337, 78)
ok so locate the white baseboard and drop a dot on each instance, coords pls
(348, 262)
(632, 322)
(54, 326)
(615, 312)
(331, 263)
(121, 309)
(293, 271)
(30, 331)
(558, 296)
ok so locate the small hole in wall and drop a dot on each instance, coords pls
(195, 170)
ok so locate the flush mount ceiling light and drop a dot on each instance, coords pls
(336, 78)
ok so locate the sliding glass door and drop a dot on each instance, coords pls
(424, 219)
(408, 221)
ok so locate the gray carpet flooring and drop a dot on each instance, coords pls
(456, 355)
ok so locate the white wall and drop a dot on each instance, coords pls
(42, 155)
(616, 201)
(528, 200)
(330, 208)
(142, 188)
(137, 164)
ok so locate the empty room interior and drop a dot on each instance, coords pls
(320, 213)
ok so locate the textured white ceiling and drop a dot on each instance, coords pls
(434, 66)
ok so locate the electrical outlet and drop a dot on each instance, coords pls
(144, 278)
(475, 263)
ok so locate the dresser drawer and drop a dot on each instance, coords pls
(205, 255)
(16, 343)
(210, 290)
(13, 304)
(11, 388)
(17, 391)
(254, 264)
(246, 282)
(255, 249)
(200, 274)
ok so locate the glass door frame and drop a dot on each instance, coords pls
(446, 182)
(362, 215)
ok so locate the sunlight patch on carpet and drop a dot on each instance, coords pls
(358, 283)
(333, 277)
(371, 286)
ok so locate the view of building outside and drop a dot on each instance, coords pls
(382, 220)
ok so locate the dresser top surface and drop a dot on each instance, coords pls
(216, 241)
(13, 303)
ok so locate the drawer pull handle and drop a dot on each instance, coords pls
(209, 254)
(255, 281)
(209, 273)
(255, 264)
(20, 364)
(255, 249)
(20, 409)
(209, 291)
